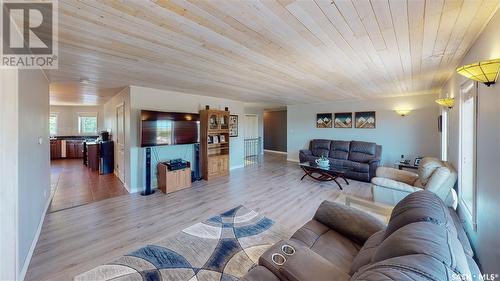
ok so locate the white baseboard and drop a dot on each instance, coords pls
(275, 151)
(236, 167)
(292, 160)
(27, 261)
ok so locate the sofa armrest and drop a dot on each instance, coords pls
(395, 185)
(303, 153)
(397, 175)
(374, 163)
(348, 221)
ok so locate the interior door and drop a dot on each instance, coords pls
(120, 142)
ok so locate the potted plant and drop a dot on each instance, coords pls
(323, 161)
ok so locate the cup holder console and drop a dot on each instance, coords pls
(278, 259)
(288, 250)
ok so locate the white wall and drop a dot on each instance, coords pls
(413, 135)
(26, 159)
(109, 114)
(485, 239)
(67, 118)
(153, 99)
(34, 160)
(8, 173)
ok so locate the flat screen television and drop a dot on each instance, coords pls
(167, 128)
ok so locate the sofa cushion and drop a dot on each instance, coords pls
(462, 236)
(310, 232)
(331, 245)
(365, 255)
(307, 265)
(361, 151)
(424, 238)
(354, 166)
(427, 167)
(320, 147)
(339, 150)
(406, 268)
(337, 249)
(419, 206)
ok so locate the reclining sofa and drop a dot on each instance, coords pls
(424, 240)
(362, 158)
(391, 185)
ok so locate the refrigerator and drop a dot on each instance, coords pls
(106, 151)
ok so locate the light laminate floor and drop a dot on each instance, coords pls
(75, 240)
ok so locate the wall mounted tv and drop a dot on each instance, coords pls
(166, 128)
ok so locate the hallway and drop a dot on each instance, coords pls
(76, 185)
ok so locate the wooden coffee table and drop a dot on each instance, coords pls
(320, 173)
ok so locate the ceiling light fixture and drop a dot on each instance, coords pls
(483, 71)
(448, 102)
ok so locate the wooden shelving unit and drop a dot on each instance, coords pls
(214, 153)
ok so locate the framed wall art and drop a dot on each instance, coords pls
(343, 120)
(365, 120)
(323, 120)
(233, 125)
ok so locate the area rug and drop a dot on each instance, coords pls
(223, 248)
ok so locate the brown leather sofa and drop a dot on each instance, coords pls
(362, 158)
(424, 240)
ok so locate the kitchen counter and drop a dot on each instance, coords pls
(74, 138)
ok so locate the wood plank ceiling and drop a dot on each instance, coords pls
(283, 51)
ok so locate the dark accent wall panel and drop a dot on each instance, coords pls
(275, 130)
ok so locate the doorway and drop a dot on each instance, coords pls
(251, 139)
(120, 142)
(275, 131)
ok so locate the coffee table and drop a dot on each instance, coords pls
(320, 173)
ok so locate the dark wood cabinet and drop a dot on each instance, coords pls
(55, 149)
(74, 149)
(79, 149)
(70, 149)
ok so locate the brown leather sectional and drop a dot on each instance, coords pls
(424, 240)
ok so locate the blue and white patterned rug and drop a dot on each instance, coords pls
(222, 248)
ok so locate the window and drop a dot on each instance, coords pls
(53, 124)
(444, 134)
(87, 123)
(467, 183)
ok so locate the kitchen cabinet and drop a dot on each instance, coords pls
(55, 149)
(74, 149)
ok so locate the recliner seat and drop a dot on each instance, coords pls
(423, 240)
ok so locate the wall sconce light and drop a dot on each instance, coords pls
(448, 102)
(484, 71)
(403, 112)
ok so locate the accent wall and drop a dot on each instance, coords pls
(413, 135)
